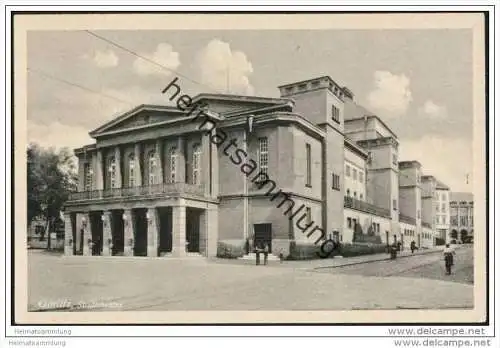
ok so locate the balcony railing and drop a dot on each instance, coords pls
(152, 190)
(354, 203)
(407, 219)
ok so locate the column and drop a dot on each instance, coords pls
(128, 233)
(118, 161)
(159, 159)
(179, 230)
(205, 163)
(180, 170)
(153, 225)
(138, 165)
(212, 228)
(107, 236)
(99, 177)
(87, 234)
(68, 234)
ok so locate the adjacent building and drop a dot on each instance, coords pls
(461, 216)
(312, 164)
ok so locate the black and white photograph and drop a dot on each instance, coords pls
(250, 168)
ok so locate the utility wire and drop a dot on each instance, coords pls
(52, 77)
(111, 42)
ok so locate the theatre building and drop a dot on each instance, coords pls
(163, 181)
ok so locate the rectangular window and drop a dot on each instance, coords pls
(443, 207)
(360, 176)
(347, 170)
(335, 182)
(335, 114)
(263, 157)
(349, 223)
(395, 204)
(354, 174)
(87, 172)
(308, 165)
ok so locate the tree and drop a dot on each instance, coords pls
(51, 177)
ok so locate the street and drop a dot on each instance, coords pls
(121, 283)
(421, 266)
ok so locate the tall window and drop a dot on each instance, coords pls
(355, 194)
(354, 174)
(349, 223)
(361, 196)
(360, 176)
(152, 168)
(173, 163)
(308, 165)
(131, 170)
(347, 170)
(335, 182)
(443, 207)
(196, 164)
(335, 114)
(112, 172)
(348, 192)
(394, 159)
(395, 204)
(263, 156)
(88, 174)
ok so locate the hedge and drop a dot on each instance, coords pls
(230, 251)
(310, 251)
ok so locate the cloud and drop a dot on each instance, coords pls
(58, 135)
(224, 69)
(104, 59)
(163, 55)
(438, 156)
(433, 110)
(391, 95)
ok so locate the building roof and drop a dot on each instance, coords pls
(409, 164)
(354, 111)
(441, 186)
(461, 196)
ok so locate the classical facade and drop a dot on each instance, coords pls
(312, 164)
(461, 216)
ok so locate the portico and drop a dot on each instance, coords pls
(146, 188)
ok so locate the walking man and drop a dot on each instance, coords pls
(448, 258)
(412, 246)
(266, 252)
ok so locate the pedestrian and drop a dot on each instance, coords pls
(257, 254)
(448, 258)
(266, 252)
(412, 246)
(281, 255)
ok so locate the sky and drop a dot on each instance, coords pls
(418, 81)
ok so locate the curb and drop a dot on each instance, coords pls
(377, 260)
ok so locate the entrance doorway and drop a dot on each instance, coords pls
(165, 230)
(263, 234)
(140, 232)
(96, 226)
(117, 232)
(193, 229)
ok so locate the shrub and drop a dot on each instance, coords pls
(358, 249)
(229, 251)
(303, 251)
(441, 241)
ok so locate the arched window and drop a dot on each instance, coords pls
(348, 193)
(152, 168)
(196, 164)
(173, 163)
(131, 170)
(355, 194)
(112, 172)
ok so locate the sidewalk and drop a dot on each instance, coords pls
(330, 262)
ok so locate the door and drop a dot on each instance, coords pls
(263, 235)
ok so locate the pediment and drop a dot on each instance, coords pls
(139, 117)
